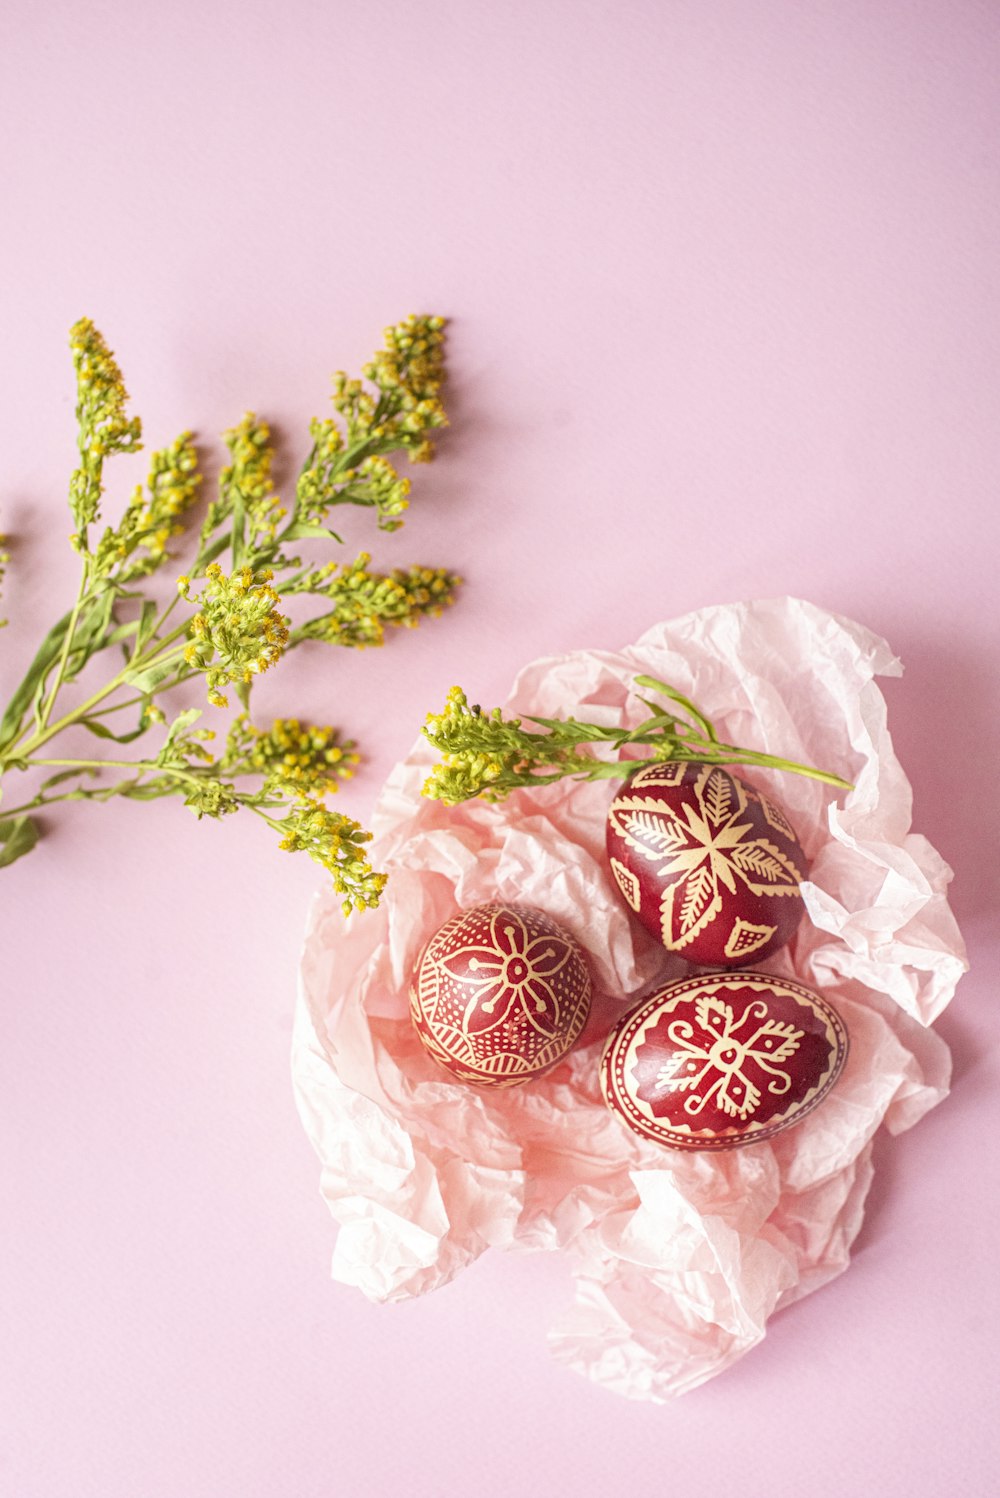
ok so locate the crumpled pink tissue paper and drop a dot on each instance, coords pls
(677, 1259)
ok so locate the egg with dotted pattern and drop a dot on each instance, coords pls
(710, 865)
(499, 994)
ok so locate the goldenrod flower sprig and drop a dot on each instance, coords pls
(361, 603)
(225, 620)
(485, 754)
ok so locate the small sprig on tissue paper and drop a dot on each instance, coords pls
(485, 754)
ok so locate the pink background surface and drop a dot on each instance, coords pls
(725, 325)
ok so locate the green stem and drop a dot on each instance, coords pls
(143, 766)
(117, 707)
(727, 754)
(67, 646)
(39, 803)
(159, 656)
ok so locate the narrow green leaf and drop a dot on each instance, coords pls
(18, 835)
(152, 677)
(65, 775)
(102, 731)
(302, 530)
(123, 632)
(45, 658)
(147, 619)
(183, 720)
(570, 730)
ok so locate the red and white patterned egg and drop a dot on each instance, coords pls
(500, 993)
(709, 865)
(722, 1060)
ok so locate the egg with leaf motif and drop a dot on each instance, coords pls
(710, 865)
(500, 993)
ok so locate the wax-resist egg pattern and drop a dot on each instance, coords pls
(718, 1061)
(710, 865)
(500, 994)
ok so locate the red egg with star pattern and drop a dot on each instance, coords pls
(500, 994)
(710, 865)
(722, 1060)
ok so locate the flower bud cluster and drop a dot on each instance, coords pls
(103, 426)
(238, 631)
(249, 477)
(336, 843)
(303, 761)
(408, 374)
(365, 602)
(152, 516)
(173, 485)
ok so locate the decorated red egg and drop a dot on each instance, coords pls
(500, 994)
(710, 865)
(722, 1060)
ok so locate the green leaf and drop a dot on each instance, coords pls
(147, 619)
(183, 720)
(152, 677)
(65, 775)
(123, 632)
(45, 658)
(570, 730)
(303, 530)
(93, 633)
(102, 731)
(18, 835)
(150, 790)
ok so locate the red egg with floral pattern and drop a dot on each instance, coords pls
(500, 994)
(722, 1060)
(709, 865)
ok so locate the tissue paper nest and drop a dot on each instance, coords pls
(677, 1259)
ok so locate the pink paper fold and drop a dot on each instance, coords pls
(677, 1260)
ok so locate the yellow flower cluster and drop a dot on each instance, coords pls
(151, 518)
(173, 485)
(365, 602)
(335, 843)
(249, 476)
(295, 759)
(238, 631)
(408, 374)
(384, 488)
(103, 426)
(315, 490)
(488, 755)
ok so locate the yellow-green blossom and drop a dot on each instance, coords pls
(409, 374)
(103, 427)
(152, 516)
(336, 843)
(238, 631)
(295, 759)
(365, 602)
(247, 478)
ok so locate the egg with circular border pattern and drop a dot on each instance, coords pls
(500, 993)
(722, 1060)
(709, 865)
